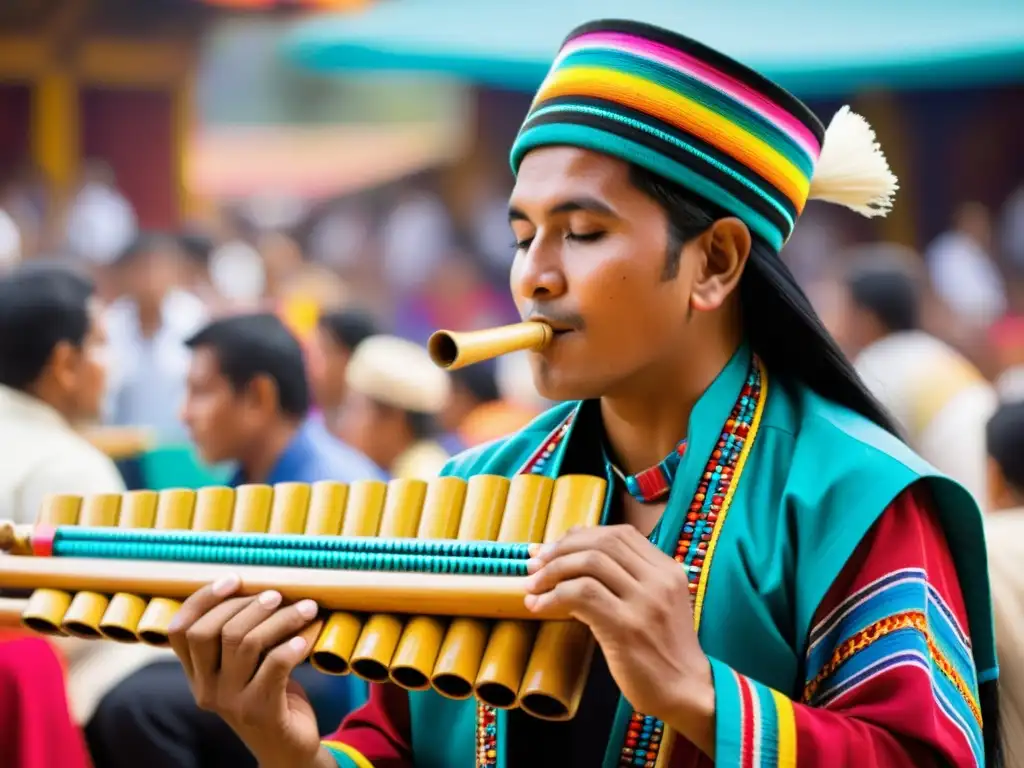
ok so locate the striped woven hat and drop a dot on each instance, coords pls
(706, 122)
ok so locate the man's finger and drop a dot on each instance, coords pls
(586, 600)
(274, 673)
(622, 543)
(591, 563)
(239, 655)
(253, 635)
(203, 637)
(197, 605)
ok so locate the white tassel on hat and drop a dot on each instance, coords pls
(852, 170)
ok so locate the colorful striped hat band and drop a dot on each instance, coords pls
(696, 117)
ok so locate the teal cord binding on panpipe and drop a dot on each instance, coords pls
(337, 552)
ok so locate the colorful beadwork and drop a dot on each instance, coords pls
(653, 483)
(644, 733)
(486, 736)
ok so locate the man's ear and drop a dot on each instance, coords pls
(726, 248)
(261, 394)
(63, 364)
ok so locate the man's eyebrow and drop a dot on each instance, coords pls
(591, 204)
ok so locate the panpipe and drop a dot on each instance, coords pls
(420, 583)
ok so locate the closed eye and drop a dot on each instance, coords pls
(588, 237)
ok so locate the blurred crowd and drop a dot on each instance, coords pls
(274, 344)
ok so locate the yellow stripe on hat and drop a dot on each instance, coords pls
(677, 110)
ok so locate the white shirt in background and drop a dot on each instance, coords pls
(966, 278)
(147, 378)
(100, 224)
(41, 453)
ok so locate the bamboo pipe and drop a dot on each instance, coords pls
(83, 616)
(46, 607)
(458, 658)
(121, 620)
(364, 509)
(453, 350)
(422, 637)
(212, 513)
(483, 597)
(508, 647)
(381, 632)
(560, 661)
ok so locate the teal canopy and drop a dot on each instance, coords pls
(814, 49)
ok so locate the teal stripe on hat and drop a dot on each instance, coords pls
(598, 140)
(685, 85)
(608, 114)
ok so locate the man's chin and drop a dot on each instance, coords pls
(558, 386)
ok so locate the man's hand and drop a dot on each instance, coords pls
(636, 600)
(238, 653)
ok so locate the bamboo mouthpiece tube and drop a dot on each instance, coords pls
(453, 350)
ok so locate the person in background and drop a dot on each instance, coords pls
(394, 396)
(196, 248)
(938, 397)
(247, 401)
(100, 222)
(53, 357)
(282, 260)
(148, 326)
(962, 269)
(337, 336)
(1006, 339)
(52, 370)
(474, 396)
(1004, 533)
(10, 242)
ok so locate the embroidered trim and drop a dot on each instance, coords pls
(869, 635)
(741, 463)
(767, 723)
(351, 753)
(711, 502)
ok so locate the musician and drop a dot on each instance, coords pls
(394, 395)
(247, 402)
(775, 582)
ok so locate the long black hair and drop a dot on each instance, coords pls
(778, 318)
(786, 332)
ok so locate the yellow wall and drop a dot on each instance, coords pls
(105, 62)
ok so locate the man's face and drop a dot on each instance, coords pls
(327, 362)
(591, 252)
(90, 368)
(855, 328)
(152, 274)
(361, 424)
(213, 412)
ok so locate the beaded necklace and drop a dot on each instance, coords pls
(715, 491)
(653, 483)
